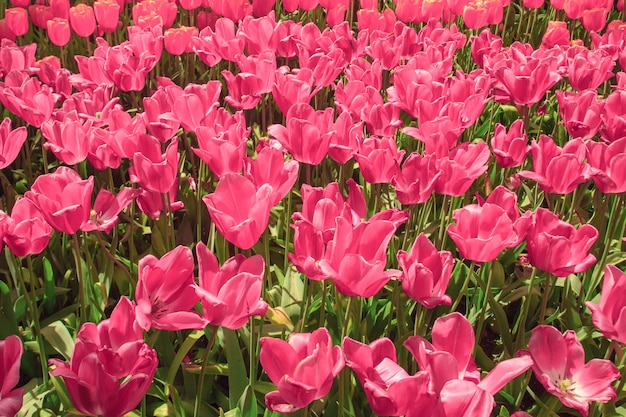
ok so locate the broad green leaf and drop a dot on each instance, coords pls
(59, 338)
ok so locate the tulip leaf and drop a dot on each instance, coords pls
(49, 296)
(59, 338)
(8, 322)
(237, 375)
(247, 402)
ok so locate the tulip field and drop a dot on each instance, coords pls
(357, 208)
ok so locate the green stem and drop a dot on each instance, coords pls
(521, 331)
(544, 300)
(457, 301)
(34, 314)
(82, 291)
(205, 358)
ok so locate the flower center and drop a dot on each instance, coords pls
(566, 385)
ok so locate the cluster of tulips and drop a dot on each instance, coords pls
(372, 177)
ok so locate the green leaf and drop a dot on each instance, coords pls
(49, 296)
(59, 338)
(237, 375)
(247, 402)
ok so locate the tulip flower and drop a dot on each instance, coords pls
(17, 20)
(356, 257)
(580, 112)
(106, 207)
(166, 292)
(307, 133)
(510, 148)
(26, 97)
(239, 209)
(559, 364)
(231, 294)
(558, 247)
(270, 167)
(59, 31)
(27, 232)
(11, 142)
(610, 315)
(426, 273)
(11, 398)
(558, 170)
(151, 202)
(379, 159)
(416, 180)
(63, 198)
(83, 20)
(607, 161)
(390, 390)
(111, 367)
(151, 169)
(461, 167)
(454, 377)
(68, 139)
(303, 368)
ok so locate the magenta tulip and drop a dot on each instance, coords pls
(303, 369)
(559, 364)
(610, 315)
(231, 294)
(63, 198)
(111, 367)
(11, 398)
(166, 292)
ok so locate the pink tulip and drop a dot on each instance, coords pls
(523, 75)
(454, 377)
(222, 142)
(59, 31)
(244, 90)
(479, 13)
(607, 161)
(239, 209)
(558, 247)
(292, 88)
(379, 159)
(557, 33)
(26, 97)
(482, 232)
(106, 207)
(83, 20)
(559, 364)
(107, 13)
(231, 294)
(270, 167)
(193, 105)
(151, 202)
(303, 369)
(111, 368)
(11, 398)
(151, 169)
(588, 69)
(510, 148)
(613, 116)
(68, 138)
(390, 390)
(159, 117)
(307, 133)
(580, 112)
(166, 292)
(356, 257)
(558, 170)
(416, 180)
(63, 198)
(610, 315)
(27, 232)
(17, 20)
(16, 57)
(178, 40)
(11, 141)
(426, 273)
(308, 250)
(461, 167)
